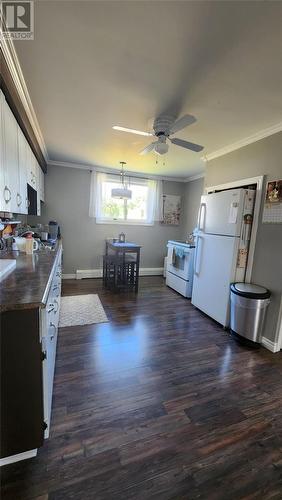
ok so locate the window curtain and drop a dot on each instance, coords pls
(155, 201)
(95, 203)
(155, 196)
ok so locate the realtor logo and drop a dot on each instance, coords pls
(17, 19)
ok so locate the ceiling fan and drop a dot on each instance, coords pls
(165, 126)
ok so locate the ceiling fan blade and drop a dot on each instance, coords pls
(187, 145)
(148, 148)
(131, 131)
(183, 122)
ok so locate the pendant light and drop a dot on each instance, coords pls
(122, 193)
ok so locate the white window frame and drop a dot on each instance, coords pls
(125, 222)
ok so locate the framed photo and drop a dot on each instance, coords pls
(272, 213)
(171, 209)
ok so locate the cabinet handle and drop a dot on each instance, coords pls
(6, 189)
(56, 302)
(55, 328)
(52, 307)
(27, 203)
(19, 199)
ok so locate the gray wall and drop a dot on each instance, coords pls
(261, 158)
(192, 196)
(67, 201)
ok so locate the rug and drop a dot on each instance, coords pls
(81, 310)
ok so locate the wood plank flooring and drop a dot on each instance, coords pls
(159, 403)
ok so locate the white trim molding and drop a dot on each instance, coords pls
(271, 346)
(14, 67)
(274, 129)
(194, 177)
(110, 170)
(279, 326)
(17, 458)
(97, 273)
(237, 184)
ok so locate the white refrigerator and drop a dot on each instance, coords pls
(223, 235)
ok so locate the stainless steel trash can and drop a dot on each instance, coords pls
(248, 308)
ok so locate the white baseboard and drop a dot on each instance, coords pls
(16, 458)
(97, 273)
(68, 276)
(271, 346)
(151, 271)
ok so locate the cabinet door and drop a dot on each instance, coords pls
(22, 150)
(38, 180)
(2, 185)
(31, 168)
(11, 166)
(42, 179)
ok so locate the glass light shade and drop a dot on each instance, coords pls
(121, 193)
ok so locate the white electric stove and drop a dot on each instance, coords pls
(180, 267)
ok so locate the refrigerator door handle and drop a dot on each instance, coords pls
(202, 227)
(197, 267)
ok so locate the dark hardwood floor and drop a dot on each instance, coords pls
(159, 403)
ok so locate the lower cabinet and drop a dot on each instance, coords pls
(28, 353)
(22, 412)
(49, 321)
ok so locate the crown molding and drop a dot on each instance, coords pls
(244, 142)
(194, 177)
(108, 170)
(15, 70)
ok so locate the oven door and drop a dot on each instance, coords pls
(178, 261)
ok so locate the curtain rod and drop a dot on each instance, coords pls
(125, 175)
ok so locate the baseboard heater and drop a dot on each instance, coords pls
(97, 273)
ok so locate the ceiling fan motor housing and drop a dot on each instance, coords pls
(163, 124)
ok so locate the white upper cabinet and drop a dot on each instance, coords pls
(18, 165)
(11, 192)
(41, 185)
(22, 150)
(2, 185)
(38, 180)
(31, 168)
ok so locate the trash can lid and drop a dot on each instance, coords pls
(250, 291)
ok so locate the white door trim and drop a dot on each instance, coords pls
(237, 184)
(279, 327)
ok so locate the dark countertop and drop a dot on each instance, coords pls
(27, 286)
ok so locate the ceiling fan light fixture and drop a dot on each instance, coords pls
(161, 148)
(122, 193)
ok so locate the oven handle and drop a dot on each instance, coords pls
(197, 254)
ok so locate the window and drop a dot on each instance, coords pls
(142, 208)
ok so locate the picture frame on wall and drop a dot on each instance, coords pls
(272, 213)
(171, 209)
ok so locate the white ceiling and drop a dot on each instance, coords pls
(95, 64)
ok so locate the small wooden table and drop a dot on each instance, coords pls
(121, 249)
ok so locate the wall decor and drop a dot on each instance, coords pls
(272, 213)
(171, 209)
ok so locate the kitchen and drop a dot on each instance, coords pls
(86, 398)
